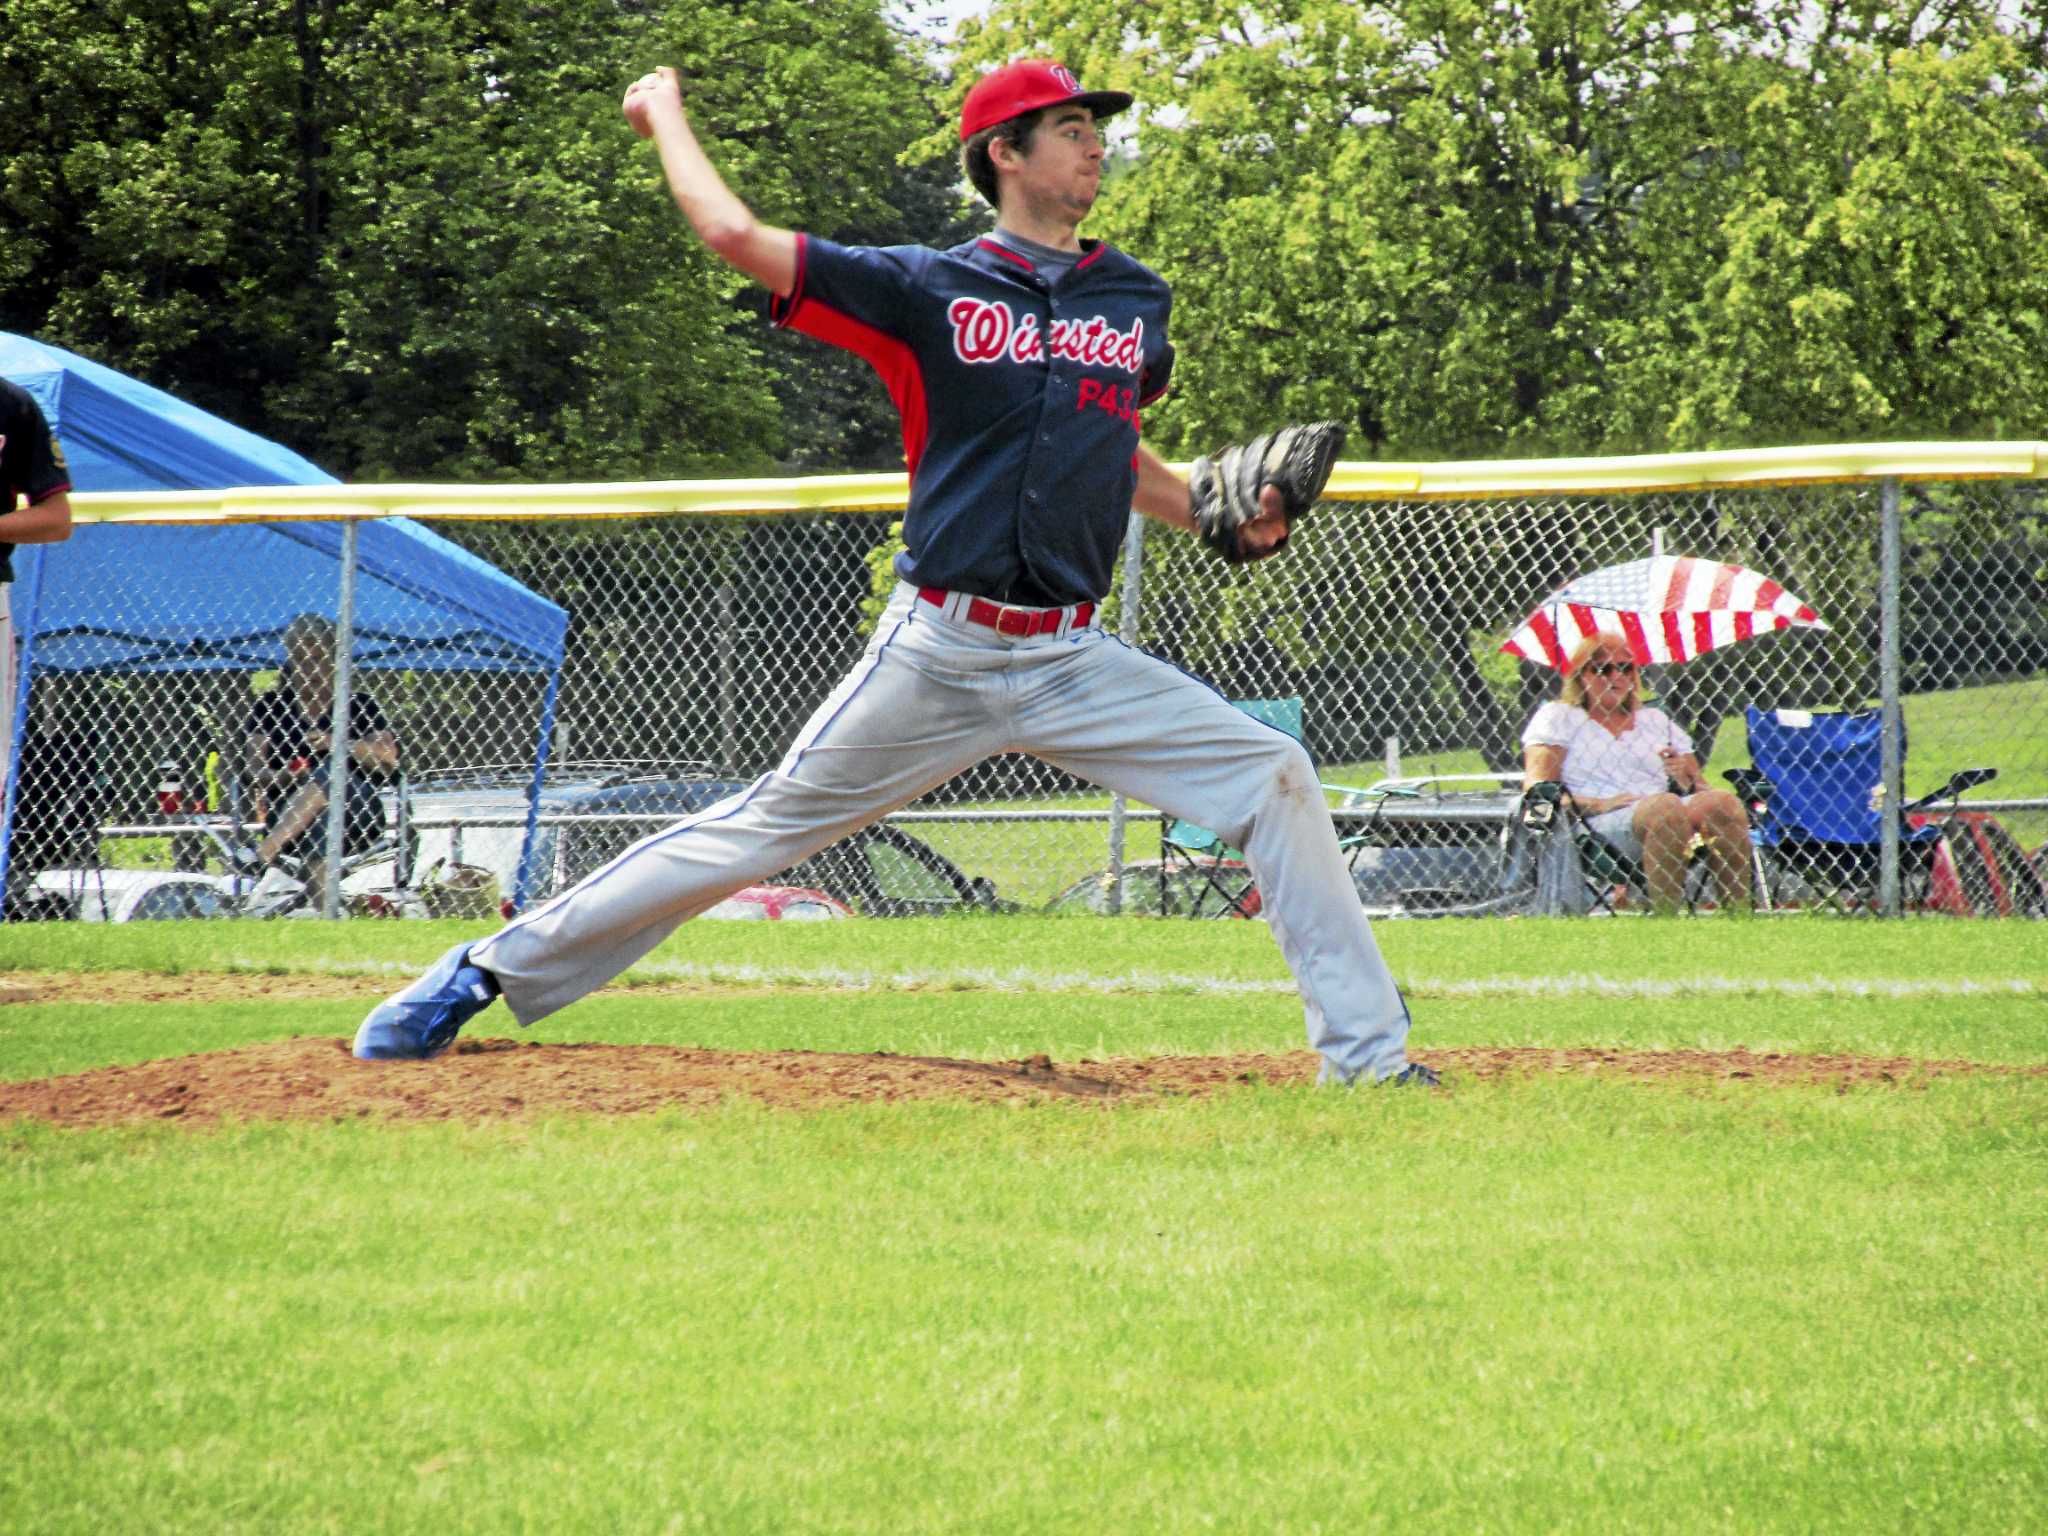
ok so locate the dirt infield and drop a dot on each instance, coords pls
(315, 1078)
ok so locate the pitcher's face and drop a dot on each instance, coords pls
(1060, 169)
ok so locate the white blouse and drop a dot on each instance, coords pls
(1597, 763)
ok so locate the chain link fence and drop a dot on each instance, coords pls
(693, 649)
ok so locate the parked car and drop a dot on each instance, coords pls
(132, 895)
(779, 903)
(1418, 877)
(1437, 845)
(1980, 869)
(881, 871)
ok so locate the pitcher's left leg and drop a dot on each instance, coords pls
(1134, 723)
(1356, 1015)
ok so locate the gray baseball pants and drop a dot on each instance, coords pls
(934, 694)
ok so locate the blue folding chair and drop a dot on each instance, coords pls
(1816, 815)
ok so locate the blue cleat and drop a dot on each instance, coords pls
(1414, 1075)
(424, 1019)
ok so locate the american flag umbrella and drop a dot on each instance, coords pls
(1668, 608)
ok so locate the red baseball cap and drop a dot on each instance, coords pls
(1025, 86)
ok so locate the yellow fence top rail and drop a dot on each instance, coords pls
(1351, 481)
(620, 498)
(1705, 471)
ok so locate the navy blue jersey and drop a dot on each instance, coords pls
(31, 463)
(1019, 400)
(288, 725)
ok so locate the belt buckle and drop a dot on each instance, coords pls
(1015, 621)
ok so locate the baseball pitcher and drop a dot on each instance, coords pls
(1021, 364)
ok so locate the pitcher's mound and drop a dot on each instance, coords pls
(487, 1079)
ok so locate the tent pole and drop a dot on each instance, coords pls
(523, 880)
(337, 746)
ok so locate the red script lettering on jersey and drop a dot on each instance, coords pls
(986, 331)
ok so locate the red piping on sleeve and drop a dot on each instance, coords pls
(780, 310)
(890, 358)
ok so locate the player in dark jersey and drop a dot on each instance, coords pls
(35, 487)
(1021, 364)
(288, 742)
(35, 508)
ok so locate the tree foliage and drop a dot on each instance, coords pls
(413, 238)
(1485, 227)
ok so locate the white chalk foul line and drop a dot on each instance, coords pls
(959, 979)
(1019, 980)
(1634, 986)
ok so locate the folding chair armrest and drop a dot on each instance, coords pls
(1958, 784)
(1750, 783)
(1542, 805)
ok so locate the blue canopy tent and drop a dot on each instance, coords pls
(128, 598)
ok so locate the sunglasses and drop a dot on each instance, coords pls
(1609, 668)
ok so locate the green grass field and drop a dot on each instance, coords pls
(1540, 1304)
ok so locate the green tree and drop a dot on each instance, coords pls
(1482, 228)
(1881, 274)
(1487, 227)
(160, 195)
(414, 238)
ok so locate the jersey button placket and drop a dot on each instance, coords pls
(1055, 394)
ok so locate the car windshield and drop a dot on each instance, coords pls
(801, 911)
(591, 846)
(177, 899)
(900, 876)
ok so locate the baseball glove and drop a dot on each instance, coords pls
(1225, 489)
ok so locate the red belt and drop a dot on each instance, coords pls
(1005, 620)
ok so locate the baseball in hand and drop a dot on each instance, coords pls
(640, 101)
(638, 95)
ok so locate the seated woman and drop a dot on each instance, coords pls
(1631, 773)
